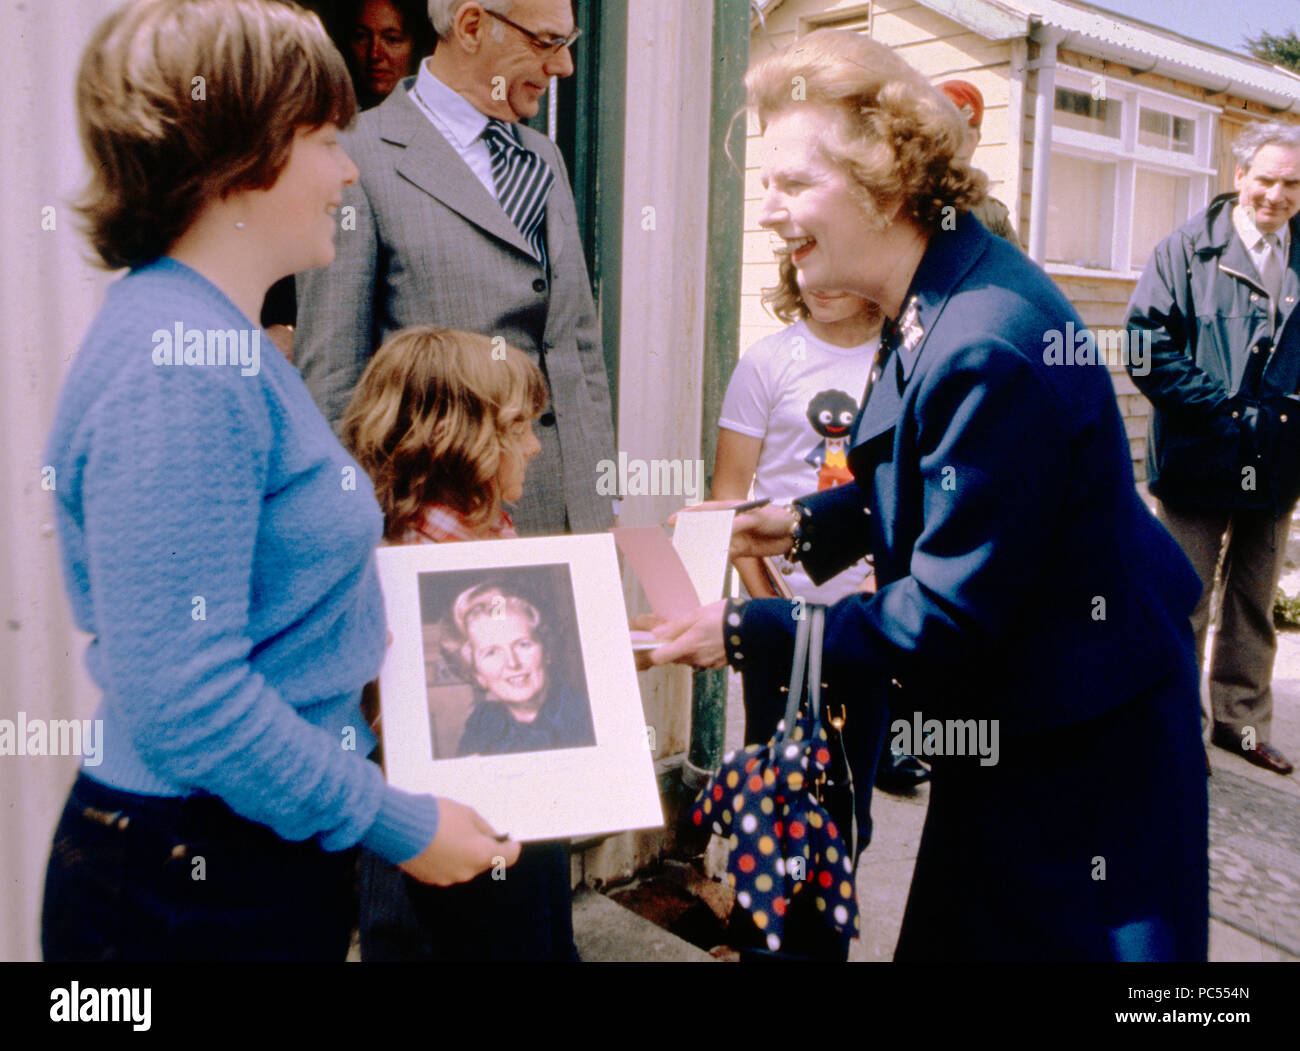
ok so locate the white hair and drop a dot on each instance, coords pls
(1266, 133)
(442, 12)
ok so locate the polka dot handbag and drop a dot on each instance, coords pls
(763, 801)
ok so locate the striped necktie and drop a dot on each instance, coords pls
(523, 181)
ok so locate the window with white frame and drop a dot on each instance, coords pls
(856, 18)
(1129, 165)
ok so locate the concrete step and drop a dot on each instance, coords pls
(606, 932)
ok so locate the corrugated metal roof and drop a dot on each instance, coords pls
(1106, 34)
(1131, 41)
(762, 7)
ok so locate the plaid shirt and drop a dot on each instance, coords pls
(441, 524)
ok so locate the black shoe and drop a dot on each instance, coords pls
(899, 773)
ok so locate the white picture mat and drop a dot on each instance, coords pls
(556, 794)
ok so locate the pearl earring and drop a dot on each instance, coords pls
(239, 225)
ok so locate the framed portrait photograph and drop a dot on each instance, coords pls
(510, 686)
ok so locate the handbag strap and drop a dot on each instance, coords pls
(816, 629)
(798, 674)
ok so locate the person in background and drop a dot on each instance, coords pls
(788, 411)
(784, 430)
(383, 42)
(465, 219)
(226, 577)
(969, 101)
(443, 425)
(1215, 301)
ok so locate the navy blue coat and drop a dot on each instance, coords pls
(1020, 579)
(564, 721)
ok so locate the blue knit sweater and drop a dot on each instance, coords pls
(218, 545)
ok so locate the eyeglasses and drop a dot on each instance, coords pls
(551, 45)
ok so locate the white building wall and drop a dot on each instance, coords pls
(661, 338)
(48, 294)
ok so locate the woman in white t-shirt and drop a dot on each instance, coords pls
(786, 422)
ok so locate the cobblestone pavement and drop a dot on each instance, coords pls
(1255, 860)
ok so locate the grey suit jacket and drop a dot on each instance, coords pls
(432, 246)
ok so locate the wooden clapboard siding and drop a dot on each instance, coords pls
(1229, 128)
(1157, 82)
(1101, 303)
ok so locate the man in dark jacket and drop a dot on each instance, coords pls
(1216, 303)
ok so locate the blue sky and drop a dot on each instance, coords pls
(1224, 24)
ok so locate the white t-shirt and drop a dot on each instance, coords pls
(800, 396)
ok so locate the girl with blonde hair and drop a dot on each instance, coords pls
(442, 421)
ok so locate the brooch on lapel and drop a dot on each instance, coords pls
(909, 327)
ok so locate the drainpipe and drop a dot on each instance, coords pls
(721, 325)
(1044, 115)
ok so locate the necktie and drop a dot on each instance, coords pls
(1271, 271)
(523, 182)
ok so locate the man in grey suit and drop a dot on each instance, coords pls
(430, 242)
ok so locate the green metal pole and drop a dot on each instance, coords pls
(722, 322)
(591, 135)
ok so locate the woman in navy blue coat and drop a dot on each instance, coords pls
(1023, 587)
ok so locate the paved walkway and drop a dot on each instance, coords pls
(1255, 862)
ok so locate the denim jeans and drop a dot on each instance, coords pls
(157, 878)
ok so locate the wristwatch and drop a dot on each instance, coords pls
(797, 543)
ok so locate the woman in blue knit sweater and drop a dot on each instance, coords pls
(217, 541)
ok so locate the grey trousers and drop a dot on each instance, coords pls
(1251, 545)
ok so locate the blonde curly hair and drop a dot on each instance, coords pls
(784, 299)
(490, 600)
(897, 136)
(430, 421)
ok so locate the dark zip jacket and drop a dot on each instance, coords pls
(1222, 375)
